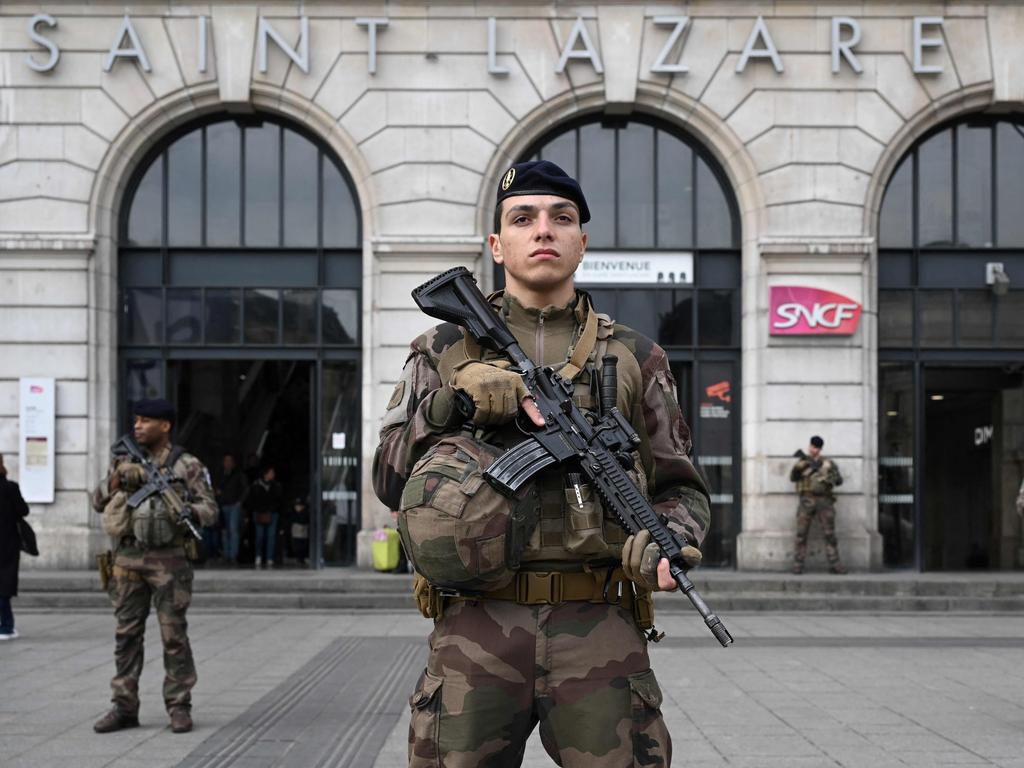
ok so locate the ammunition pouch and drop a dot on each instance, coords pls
(105, 566)
(153, 524)
(459, 532)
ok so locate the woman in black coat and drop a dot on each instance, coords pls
(12, 507)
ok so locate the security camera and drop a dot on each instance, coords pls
(996, 278)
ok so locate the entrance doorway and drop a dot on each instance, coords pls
(260, 412)
(972, 458)
(239, 276)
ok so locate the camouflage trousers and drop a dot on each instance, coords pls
(824, 508)
(166, 583)
(496, 669)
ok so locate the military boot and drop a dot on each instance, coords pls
(838, 568)
(798, 568)
(115, 720)
(181, 720)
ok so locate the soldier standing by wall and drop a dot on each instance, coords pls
(563, 644)
(150, 566)
(815, 477)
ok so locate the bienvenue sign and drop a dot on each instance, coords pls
(604, 267)
(128, 45)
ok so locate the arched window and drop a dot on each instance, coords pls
(239, 272)
(239, 233)
(951, 344)
(954, 206)
(664, 258)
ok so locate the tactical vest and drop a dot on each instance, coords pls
(153, 523)
(572, 529)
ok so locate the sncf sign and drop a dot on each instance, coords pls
(800, 311)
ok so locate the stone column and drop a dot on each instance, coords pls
(809, 385)
(399, 265)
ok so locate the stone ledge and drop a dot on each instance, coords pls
(70, 244)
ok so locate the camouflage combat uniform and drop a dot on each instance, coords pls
(163, 577)
(580, 668)
(814, 485)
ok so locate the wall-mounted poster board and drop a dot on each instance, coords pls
(36, 455)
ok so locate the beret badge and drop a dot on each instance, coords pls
(509, 178)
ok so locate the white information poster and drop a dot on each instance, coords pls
(36, 457)
(635, 267)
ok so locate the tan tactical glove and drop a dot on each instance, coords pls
(130, 476)
(640, 557)
(496, 391)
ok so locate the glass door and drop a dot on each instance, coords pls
(708, 395)
(340, 514)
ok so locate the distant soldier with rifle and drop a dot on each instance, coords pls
(815, 477)
(154, 499)
(541, 600)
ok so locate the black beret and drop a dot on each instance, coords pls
(157, 408)
(542, 177)
(817, 442)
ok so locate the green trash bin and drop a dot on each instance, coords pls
(385, 549)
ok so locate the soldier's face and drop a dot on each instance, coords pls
(149, 431)
(540, 244)
(813, 451)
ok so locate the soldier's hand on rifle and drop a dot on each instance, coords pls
(644, 566)
(128, 476)
(496, 392)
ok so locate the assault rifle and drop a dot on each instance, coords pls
(598, 447)
(158, 481)
(814, 464)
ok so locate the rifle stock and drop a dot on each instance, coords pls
(600, 447)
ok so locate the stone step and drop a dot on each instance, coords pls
(402, 601)
(353, 589)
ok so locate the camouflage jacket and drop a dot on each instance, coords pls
(196, 484)
(817, 478)
(416, 414)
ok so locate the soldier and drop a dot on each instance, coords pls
(815, 477)
(155, 571)
(563, 644)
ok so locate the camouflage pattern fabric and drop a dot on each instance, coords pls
(166, 582)
(414, 421)
(820, 481)
(496, 669)
(161, 577)
(823, 508)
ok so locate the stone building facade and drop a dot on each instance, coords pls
(805, 111)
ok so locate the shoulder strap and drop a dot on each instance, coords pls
(173, 456)
(585, 345)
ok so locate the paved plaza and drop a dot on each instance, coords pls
(311, 689)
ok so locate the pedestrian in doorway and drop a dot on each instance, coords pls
(815, 477)
(230, 491)
(12, 509)
(300, 530)
(264, 502)
(151, 566)
(1020, 499)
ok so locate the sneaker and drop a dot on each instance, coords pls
(12, 635)
(115, 720)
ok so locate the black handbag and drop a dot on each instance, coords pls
(28, 538)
